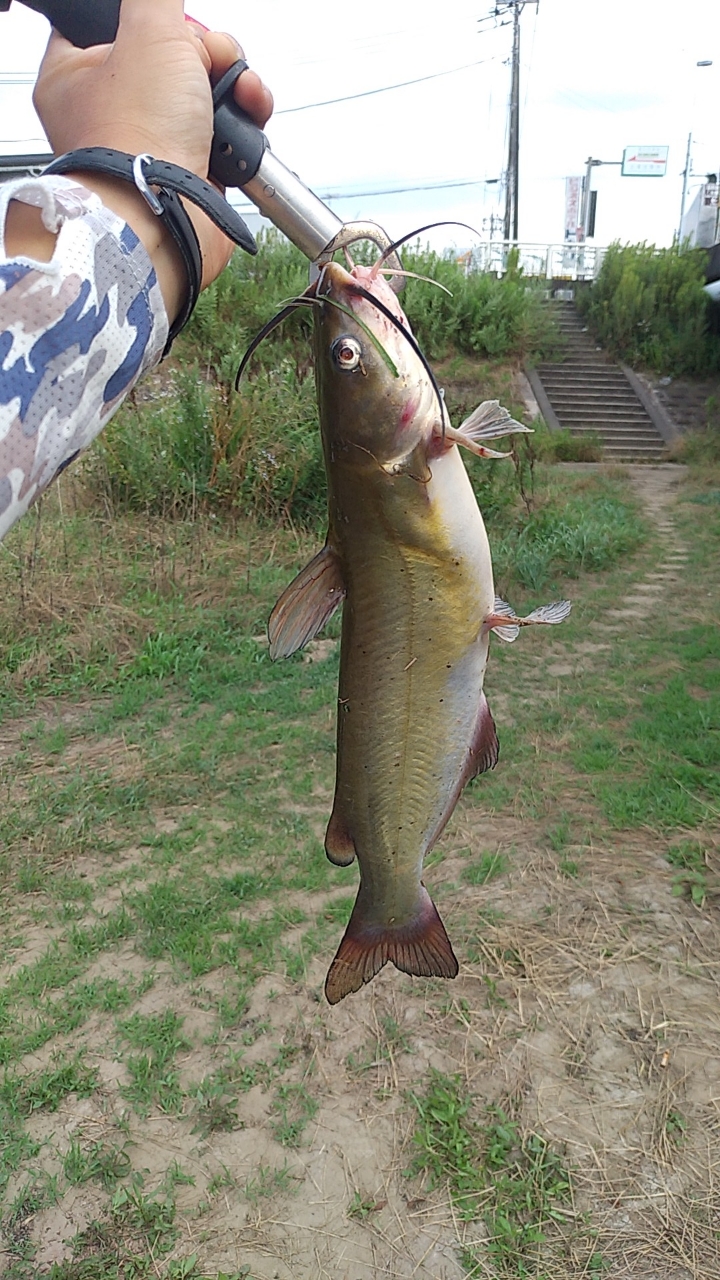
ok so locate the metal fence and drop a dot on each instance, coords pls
(549, 261)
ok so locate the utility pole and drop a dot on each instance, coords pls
(512, 182)
(510, 229)
(686, 175)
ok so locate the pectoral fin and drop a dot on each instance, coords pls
(456, 436)
(490, 421)
(505, 624)
(306, 605)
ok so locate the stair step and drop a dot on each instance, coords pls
(598, 407)
(622, 437)
(591, 396)
(591, 414)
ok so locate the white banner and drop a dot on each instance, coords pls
(573, 196)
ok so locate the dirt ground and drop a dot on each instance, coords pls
(588, 1004)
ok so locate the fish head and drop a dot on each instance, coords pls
(378, 403)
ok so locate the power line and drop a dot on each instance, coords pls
(390, 191)
(368, 93)
(11, 79)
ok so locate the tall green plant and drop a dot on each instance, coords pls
(648, 307)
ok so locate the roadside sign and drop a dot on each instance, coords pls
(644, 162)
(573, 194)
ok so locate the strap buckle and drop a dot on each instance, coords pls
(141, 183)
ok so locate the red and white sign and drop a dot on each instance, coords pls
(644, 162)
(573, 193)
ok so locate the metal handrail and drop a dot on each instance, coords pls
(560, 261)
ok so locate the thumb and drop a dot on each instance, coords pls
(60, 55)
(138, 14)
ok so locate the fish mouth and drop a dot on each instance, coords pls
(353, 287)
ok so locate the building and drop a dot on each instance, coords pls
(700, 223)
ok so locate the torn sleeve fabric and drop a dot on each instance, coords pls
(76, 333)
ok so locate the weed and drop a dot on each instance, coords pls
(45, 1090)
(487, 868)
(558, 835)
(149, 1218)
(294, 1107)
(108, 1164)
(390, 1040)
(39, 1192)
(154, 1082)
(447, 1140)
(361, 1207)
(675, 1126)
(515, 1181)
(216, 1097)
(267, 1181)
(692, 877)
(220, 1180)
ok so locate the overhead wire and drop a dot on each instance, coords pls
(392, 191)
(369, 93)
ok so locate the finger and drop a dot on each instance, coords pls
(250, 92)
(254, 97)
(224, 50)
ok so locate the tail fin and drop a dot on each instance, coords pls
(420, 947)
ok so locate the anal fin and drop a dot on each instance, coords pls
(420, 947)
(485, 747)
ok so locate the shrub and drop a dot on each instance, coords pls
(648, 307)
(199, 447)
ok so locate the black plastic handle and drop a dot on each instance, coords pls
(238, 144)
(82, 22)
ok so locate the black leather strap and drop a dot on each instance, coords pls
(169, 179)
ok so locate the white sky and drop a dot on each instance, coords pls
(597, 76)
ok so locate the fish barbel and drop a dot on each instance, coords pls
(408, 554)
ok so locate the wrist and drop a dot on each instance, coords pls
(127, 202)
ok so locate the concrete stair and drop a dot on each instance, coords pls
(589, 395)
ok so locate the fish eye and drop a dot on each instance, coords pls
(346, 353)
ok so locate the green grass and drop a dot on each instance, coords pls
(511, 1180)
(294, 1108)
(488, 866)
(154, 1080)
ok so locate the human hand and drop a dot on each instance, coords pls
(150, 91)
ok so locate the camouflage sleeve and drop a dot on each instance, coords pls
(75, 335)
